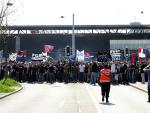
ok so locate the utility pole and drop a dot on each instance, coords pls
(73, 36)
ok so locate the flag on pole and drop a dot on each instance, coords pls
(141, 53)
(133, 59)
(22, 53)
(86, 54)
(80, 55)
(48, 48)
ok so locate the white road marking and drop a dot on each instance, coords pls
(96, 104)
(79, 110)
(61, 104)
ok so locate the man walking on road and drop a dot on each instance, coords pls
(147, 70)
(105, 82)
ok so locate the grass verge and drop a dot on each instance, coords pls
(8, 86)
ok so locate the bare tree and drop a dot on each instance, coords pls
(6, 10)
(10, 10)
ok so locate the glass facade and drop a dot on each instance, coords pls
(130, 44)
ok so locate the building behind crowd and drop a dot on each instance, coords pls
(92, 38)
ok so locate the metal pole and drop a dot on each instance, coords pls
(73, 36)
(17, 43)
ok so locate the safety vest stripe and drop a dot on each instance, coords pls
(104, 80)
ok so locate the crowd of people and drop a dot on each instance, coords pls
(63, 71)
(103, 73)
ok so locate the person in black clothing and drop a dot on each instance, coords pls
(41, 73)
(66, 72)
(125, 77)
(131, 73)
(1, 72)
(94, 74)
(51, 74)
(86, 72)
(117, 68)
(74, 71)
(14, 71)
(29, 74)
(121, 74)
(60, 72)
(25, 71)
(34, 73)
(147, 70)
(20, 70)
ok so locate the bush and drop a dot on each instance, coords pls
(6, 89)
(7, 85)
(10, 82)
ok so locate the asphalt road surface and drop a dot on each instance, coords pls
(74, 98)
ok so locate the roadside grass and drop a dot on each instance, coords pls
(6, 89)
(8, 85)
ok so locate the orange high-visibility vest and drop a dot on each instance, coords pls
(104, 75)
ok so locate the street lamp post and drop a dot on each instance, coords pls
(73, 36)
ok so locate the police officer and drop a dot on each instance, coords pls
(147, 70)
(105, 82)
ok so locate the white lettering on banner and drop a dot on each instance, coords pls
(114, 51)
(37, 56)
(116, 57)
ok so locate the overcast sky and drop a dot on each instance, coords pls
(87, 12)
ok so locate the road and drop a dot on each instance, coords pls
(74, 98)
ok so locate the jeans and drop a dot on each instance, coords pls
(93, 77)
(143, 78)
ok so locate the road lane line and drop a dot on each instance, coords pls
(79, 110)
(96, 104)
(61, 104)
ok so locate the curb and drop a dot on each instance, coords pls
(139, 88)
(1, 97)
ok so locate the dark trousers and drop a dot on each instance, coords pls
(148, 93)
(105, 89)
(81, 77)
(125, 78)
(66, 79)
